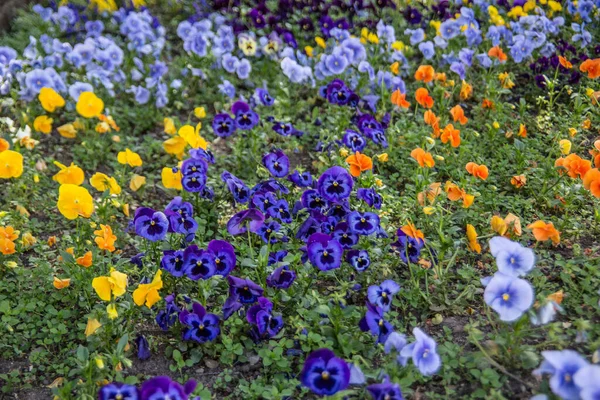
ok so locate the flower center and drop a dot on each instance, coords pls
(505, 296)
(325, 253)
(152, 223)
(380, 322)
(426, 353)
(335, 183)
(362, 220)
(325, 375)
(567, 377)
(384, 295)
(512, 260)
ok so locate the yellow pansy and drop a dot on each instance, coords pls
(169, 126)
(175, 145)
(50, 100)
(102, 182)
(148, 292)
(71, 174)
(67, 131)
(472, 239)
(565, 146)
(43, 124)
(398, 45)
(320, 42)
(74, 201)
(28, 240)
(309, 50)
(395, 68)
(499, 225)
(199, 112)
(92, 326)
(171, 179)
(383, 157)
(11, 164)
(136, 182)
(191, 137)
(89, 105)
(113, 285)
(111, 310)
(129, 157)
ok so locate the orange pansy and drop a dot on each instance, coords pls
(359, 163)
(423, 98)
(425, 159)
(399, 99)
(458, 114)
(543, 231)
(478, 171)
(425, 73)
(449, 134)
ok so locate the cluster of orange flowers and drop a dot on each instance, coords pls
(579, 168)
(8, 235)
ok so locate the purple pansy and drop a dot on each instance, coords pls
(150, 224)
(335, 184)
(325, 374)
(324, 252)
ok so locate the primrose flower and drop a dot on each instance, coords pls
(74, 201)
(511, 257)
(335, 184)
(89, 105)
(129, 157)
(115, 284)
(325, 374)
(50, 100)
(423, 353)
(277, 163)
(509, 296)
(148, 292)
(374, 322)
(324, 252)
(383, 294)
(118, 390)
(11, 164)
(562, 366)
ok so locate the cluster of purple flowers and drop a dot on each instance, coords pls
(217, 259)
(160, 387)
(244, 118)
(177, 218)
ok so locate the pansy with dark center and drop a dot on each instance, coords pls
(374, 322)
(345, 236)
(172, 261)
(223, 125)
(260, 315)
(162, 387)
(150, 224)
(359, 259)
(324, 252)
(270, 185)
(268, 230)
(250, 219)
(277, 163)
(180, 223)
(181, 207)
(230, 306)
(303, 179)
(223, 255)
(308, 227)
(198, 263)
(245, 117)
(385, 391)
(408, 247)
(283, 128)
(370, 196)
(193, 166)
(118, 391)
(263, 201)
(339, 210)
(325, 374)
(281, 278)
(204, 155)
(313, 200)
(365, 223)
(280, 210)
(193, 183)
(200, 326)
(329, 224)
(354, 141)
(244, 290)
(277, 257)
(335, 184)
(262, 95)
(239, 190)
(382, 295)
(167, 317)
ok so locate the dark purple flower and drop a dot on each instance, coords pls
(412, 15)
(335, 184)
(277, 163)
(374, 322)
(118, 391)
(162, 387)
(143, 348)
(172, 261)
(345, 236)
(244, 290)
(262, 304)
(179, 223)
(339, 210)
(408, 247)
(194, 182)
(370, 196)
(267, 231)
(324, 252)
(223, 125)
(231, 305)
(193, 166)
(200, 326)
(257, 19)
(270, 185)
(365, 223)
(326, 24)
(201, 154)
(251, 219)
(283, 128)
(198, 263)
(277, 256)
(281, 278)
(245, 117)
(314, 201)
(308, 227)
(359, 259)
(238, 189)
(325, 374)
(303, 179)
(354, 140)
(150, 224)
(181, 207)
(263, 201)
(385, 391)
(338, 93)
(306, 24)
(224, 256)
(169, 315)
(280, 210)
(383, 294)
(260, 316)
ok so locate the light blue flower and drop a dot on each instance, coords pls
(459, 69)
(587, 379)
(581, 35)
(382, 295)
(512, 258)
(243, 69)
(509, 296)
(427, 49)
(423, 353)
(562, 366)
(230, 63)
(227, 89)
(449, 29)
(354, 50)
(336, 62)
(416, 35)
(364, 66)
